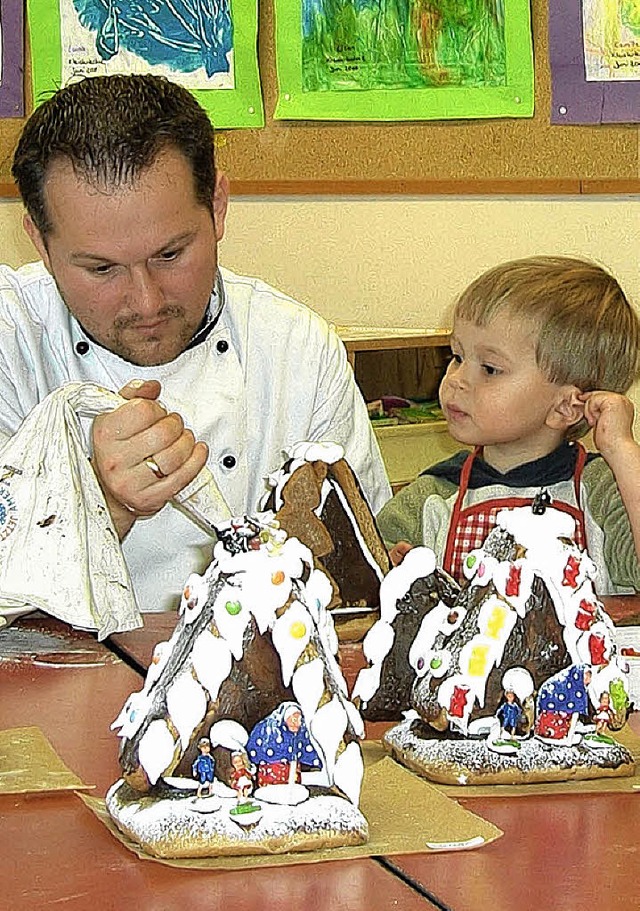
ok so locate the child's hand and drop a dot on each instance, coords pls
(399, 551)
(611, 417)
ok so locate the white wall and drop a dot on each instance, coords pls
(399, 261)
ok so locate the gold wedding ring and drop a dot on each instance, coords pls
(153, 466)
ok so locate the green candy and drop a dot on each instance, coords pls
(241, 808)
(233, 607)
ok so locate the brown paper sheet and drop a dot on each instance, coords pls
(28, 763)
(629, 784)
(406, 815)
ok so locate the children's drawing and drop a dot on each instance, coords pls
(403, 59)
(192, 39)
(611, 30)
(391, 44)
(208, 46)
(11, 59)
(594, 56)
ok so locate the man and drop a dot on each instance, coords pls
(125, 207)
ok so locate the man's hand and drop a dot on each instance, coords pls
(142, 455)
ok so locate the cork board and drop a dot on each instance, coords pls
(439, 157)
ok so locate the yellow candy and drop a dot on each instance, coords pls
(478, 660)
(496, 622)
(298, 630)
(278, 577)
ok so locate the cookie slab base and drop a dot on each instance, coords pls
(471, 762)
(175, 826)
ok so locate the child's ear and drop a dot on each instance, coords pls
(567, 410)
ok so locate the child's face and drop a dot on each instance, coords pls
(494, 395)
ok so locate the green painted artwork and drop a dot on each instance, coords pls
(397, 44)
(403, 59)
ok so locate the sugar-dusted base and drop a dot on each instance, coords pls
(175, 826)
(469, 761)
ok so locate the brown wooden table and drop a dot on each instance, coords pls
(557, 854)
(560, 853)
(56, 853)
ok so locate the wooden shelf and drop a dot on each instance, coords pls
(408, 363)
(367, 338)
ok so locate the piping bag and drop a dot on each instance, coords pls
(59, 551)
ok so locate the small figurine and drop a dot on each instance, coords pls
(280, 744)
(204, 767)
(242, 772)
(561, 700)
(604, 715)
(541, 502)
(509, 713)
(240, 535)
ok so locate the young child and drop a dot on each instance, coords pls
(542, 349)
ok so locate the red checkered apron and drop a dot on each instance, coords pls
(469, 526)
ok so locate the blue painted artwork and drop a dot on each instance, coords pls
(181, 34)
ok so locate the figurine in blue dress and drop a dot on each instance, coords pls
(280, 744)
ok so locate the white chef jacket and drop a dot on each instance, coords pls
(271, 373)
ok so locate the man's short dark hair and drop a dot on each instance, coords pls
(111, 129)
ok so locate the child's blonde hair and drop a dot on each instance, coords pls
(588, 333)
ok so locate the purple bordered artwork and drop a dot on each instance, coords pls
(574, 98)
(11, 59)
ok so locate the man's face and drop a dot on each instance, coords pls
(136, 265)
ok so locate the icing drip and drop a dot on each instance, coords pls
(529, 606)
(259, 579)
(356, 530)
